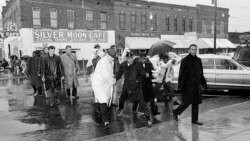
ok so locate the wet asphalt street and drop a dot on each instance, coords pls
(24, 117)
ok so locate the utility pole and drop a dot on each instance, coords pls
(215, 23)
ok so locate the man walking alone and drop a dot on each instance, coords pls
(190, 80)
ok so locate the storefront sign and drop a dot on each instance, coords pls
(10, 29)
(40, 36)
(143, 34)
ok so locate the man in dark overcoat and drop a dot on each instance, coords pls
(32, 72)
(147, 86)
(133, 72)
(190, 80)
(52, 73)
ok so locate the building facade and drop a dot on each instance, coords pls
(1, 41)
(135, 24)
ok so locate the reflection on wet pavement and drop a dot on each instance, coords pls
(27, 118)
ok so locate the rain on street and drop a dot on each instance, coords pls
(24, 117)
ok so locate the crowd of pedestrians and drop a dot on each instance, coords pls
(54, 76)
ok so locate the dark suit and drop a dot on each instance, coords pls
(190, 80)
(147, 88)
(132, 86)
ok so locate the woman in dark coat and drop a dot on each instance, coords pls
(190, 80)
(32, 72)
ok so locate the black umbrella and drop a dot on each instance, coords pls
(161, 47)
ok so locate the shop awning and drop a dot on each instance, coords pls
(182, 43)
(220, 43)
(179, 40)
(139, 42)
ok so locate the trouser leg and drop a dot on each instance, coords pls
(170, 89)
(195, 112)
(51, 97)
(104, 111)
(122, 100)
(145, 109)
(34, 88)
(39, 90)
(68, 92)
(135, 105)
(153, 107)
(181, 108)
(74, 91)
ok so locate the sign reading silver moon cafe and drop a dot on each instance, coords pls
(41, 36)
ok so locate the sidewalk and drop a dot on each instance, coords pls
(231, 123)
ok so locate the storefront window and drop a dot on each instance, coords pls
(167, 24)
(71, 19)
(144, 22)
(183, 24)
(222, 27)
(122, 21)
(133, 22)
(204, 27)
(53, 18)
(103, 20)
(89, 19)
(190, 24)
(175, 24)
(154, 23)
(36, 17)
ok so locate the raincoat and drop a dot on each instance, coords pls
(103, 80)
(71, 67)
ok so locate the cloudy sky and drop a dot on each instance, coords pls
(239, 11)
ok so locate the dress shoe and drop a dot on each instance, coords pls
(76, 97)
(134, 112)
(150, 123)
(156, 113)
(175, 115)
(197, 123)
(118, 112)
(175, 103)
(107, 125)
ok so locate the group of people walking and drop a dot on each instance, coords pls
(48, 72)
(138, 86)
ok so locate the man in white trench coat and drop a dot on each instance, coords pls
(103, 81)
(71, 68)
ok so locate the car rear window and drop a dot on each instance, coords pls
(208, 63)
(246, 55)
(225, 64)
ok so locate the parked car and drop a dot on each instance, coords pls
(242, 55)
(221, 72)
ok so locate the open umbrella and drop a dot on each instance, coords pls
(161, 47)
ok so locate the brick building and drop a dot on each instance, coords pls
(1, 41)
(127, 23)
(79, 23)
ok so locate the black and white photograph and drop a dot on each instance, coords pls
(124, 70)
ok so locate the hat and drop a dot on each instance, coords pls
(97, 46)
(129, 54)
(112, 46)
